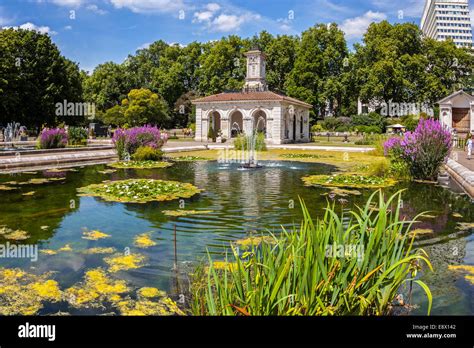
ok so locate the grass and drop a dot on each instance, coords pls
(345, 161)
(298, 274)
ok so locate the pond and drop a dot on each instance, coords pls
(235, 204)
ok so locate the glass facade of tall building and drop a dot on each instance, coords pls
(448, 19)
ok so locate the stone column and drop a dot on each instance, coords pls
(471, 117)
(446, 115)
(198, 135)
(277, 125)
(225, 125)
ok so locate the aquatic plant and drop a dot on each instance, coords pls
(140, 164)
(423, 151)
(121, 262)
(147, 153)
(181, 212)
(93, 251)
(140, 190)
(144, 240)
(348, 180)
(302, 274)
(190, 158)
(23, 293)
(53, 138)
(11, 234)
(467, 270)
(97, 288)
(299, 155)
(94, 235)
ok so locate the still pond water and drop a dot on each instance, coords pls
(242, 202)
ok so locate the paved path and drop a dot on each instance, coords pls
(462, 159)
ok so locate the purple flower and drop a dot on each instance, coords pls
(129, 140)
(53, 138)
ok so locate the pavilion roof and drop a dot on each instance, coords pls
(250, 96)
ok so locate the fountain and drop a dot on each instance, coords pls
(10, 134)
(252, 162)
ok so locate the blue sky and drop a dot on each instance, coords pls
(91, 32)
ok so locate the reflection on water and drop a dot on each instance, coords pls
(242, 202)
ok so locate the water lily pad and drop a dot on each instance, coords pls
(140, 165)
(7, 188)
(456, 215)
(140, 190)
(190, 159)
(107, 171)
(348, 180)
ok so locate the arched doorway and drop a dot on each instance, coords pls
(260, 121)
(215, 122)
(236, 124)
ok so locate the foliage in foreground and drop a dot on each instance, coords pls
(301, 274)
(140, 190)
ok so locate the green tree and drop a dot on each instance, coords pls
(142, 106)
(222, 66)
(33, 78)
(319, 64)
(107, 85)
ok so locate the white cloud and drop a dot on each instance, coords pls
(146, 6)
(67, 3)
(217, 19)
(34, 27)
(68, 27)
(213, 7)
(226, 22)
(203, 16)
(356, 27)
(95, 9)
(144, 46)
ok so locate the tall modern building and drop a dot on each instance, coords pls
(448, 19)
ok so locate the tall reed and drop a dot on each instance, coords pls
(299, 274)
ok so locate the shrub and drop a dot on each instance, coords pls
(129, 140)
(77, 136)
(53, 138)
(303, 272)
(410, 122)
(317, 128)
(369, 123)
(369, 129)
(337, 124)
(243, 142)
(423, 151)
(147, 153)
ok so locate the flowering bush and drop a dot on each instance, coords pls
(53, 138)
(128, 141)
(423, 151)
